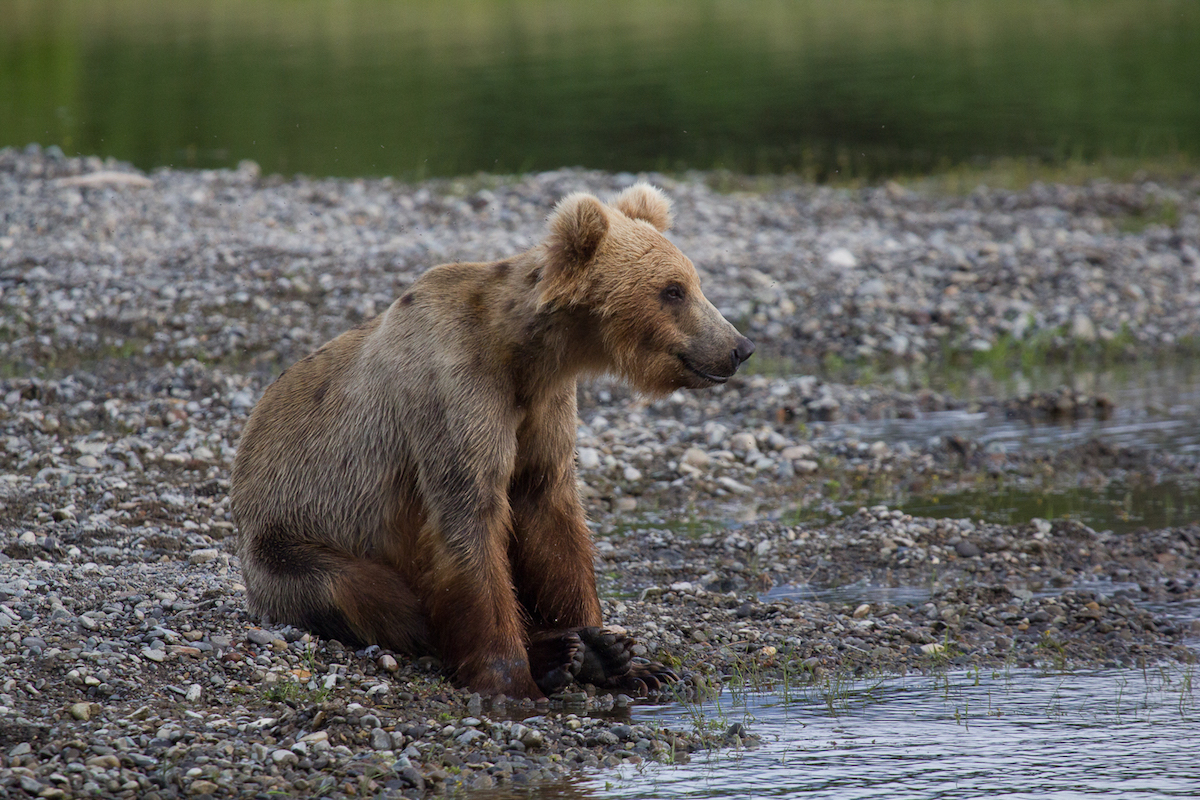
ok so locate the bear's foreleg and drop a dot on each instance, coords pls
(552, 551)
(553, 556)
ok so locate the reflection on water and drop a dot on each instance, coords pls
(1021, 734)
(862, 592)
(1117, 507)
(367, 87)
(853, 594)
(1155, 407)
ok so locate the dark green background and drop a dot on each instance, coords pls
(366, 87)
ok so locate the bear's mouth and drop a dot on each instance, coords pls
(692, 368)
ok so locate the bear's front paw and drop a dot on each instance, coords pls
(607, 655)
(609, 663)
(555, 660)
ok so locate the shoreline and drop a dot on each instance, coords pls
(143, 315)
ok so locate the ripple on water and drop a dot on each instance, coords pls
(1016, 734)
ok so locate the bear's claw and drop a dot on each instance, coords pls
(558, 657)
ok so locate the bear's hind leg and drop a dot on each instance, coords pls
(375, 600)
(334, 594)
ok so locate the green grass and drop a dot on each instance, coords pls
(1018, 174)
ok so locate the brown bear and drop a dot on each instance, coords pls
(412, 483)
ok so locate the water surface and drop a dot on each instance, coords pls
(1017, 734)
(827, 89)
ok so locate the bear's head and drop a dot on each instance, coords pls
(612, 263)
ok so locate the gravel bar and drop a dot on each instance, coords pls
(141, 316)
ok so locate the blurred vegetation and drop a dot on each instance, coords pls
(856, 89)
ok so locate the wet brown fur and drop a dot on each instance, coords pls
(412, 483)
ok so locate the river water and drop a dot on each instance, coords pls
(856, 88)
(1155, 407)
(1016, 734)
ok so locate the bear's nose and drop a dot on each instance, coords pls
(744, 349)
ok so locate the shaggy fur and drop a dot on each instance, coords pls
(412, 483)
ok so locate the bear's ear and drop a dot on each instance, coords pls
(577, 227)
(645, 202)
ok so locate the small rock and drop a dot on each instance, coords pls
(743, 444)
(203, 556)
(469, 736)
(841, 258)
(966, 549)
(1082, 328)
(286, 756)
(260, 637)
(695, 457)
(862, 611)
(30, 785)
(734, 486)
(797, 452)
(589, 458)
(625, 504)
(81, 711)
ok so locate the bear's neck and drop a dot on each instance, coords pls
(547, 346)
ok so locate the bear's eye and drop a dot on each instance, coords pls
(672, 293)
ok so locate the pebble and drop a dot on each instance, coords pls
(284, 757)
(589, 458)
(260, 637)
(203, 555)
